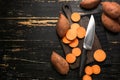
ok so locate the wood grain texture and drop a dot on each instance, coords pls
(26, 46)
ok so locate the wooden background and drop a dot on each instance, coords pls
(28, 36)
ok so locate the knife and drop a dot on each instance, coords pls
(87, 43)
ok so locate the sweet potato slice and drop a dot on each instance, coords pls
(75, 17)
(81, 32)
(99, 55)
(65, 40)
(76, 51)
(74, 43)
(87, 77)
(70, 58)
(71, 34)
(74, 26)
(96, 69)
(88, 70)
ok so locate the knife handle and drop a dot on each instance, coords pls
(67, 11)
(82, 62)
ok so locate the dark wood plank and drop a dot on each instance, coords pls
(27, 8)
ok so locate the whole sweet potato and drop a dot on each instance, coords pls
(112, 9)
(109, 23)
(62, 25)
(59, 63)
(89, 4)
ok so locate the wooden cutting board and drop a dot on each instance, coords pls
(83, 22)
(67, 11)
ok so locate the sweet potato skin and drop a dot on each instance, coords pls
(62, 25)
(110, 23)
(59, 63)
(112, 9)
(89, 4)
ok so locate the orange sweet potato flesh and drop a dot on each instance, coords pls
(62, 25)
(59, 63)
(110, 24)
(89, 4)
(112, 9)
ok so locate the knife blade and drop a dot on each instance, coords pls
(87, 43)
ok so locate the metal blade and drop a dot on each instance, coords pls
(89, 37)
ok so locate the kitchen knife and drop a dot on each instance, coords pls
(87, 43)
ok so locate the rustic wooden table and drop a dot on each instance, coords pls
(28, 36)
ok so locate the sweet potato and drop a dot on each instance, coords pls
(75, 17)
(76, 51)
(70, 58)
(71, 34)
(89, 4)
(62, 25)
(59, 63)
(110, 23)
(96, 69)
(88, 70)
(74, 43)
(87, 77)
(99, 55)
(112, 9)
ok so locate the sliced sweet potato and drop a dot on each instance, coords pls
(65, 40)
(81, 32)
(70, 58)
(74, 43)
(87, 77)
(76, 51)
(99, 55)
(75, 17)
(74, 26)
(71, 34)
(88, 70)
(96, 69)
